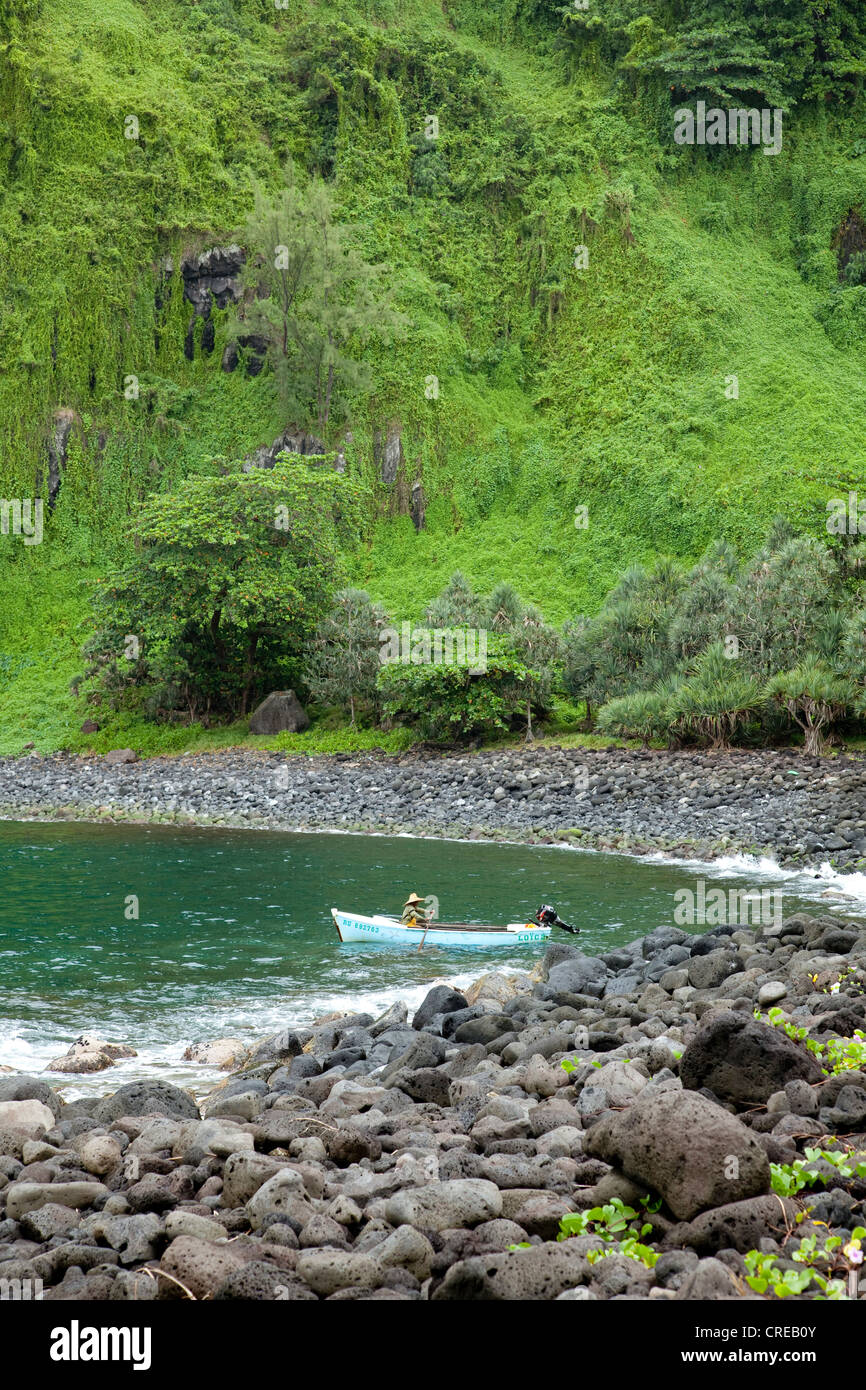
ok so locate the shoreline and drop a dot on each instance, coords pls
(799, 811)
(367, 1157)
(701, 851)
(139, 795)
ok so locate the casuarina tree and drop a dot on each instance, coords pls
(345, 652)
(315, 301)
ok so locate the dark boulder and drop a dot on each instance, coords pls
(742, 1060)
(848, 1115)
(428, 1086)
(539, 1274)
(278, 1047)
(484, 1029)
(709, 1281)
(845, 1022)
(258, 1281)
(452, 1021)
(291, 441)
(280, 712)
(441, 999)
(254, 348)
(24, 1087)
(736, 1225)
(693, 1153)
(707, 971)
(578, 974)
(839, 940)
(556, 952)
(147, 1098)
(423, 1051)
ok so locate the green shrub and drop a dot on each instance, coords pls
(451, 700)
(814, 697)
(228, 580)
(344, 655)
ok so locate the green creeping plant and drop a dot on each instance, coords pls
(790, 1178)
(611, 1223)
(835, 1056)
(764, 1274)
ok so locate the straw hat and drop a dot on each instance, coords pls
(412, 900)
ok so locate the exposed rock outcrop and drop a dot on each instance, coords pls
(280, 712)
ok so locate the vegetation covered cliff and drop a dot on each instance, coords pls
(668, 336)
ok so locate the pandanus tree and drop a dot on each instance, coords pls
(716, 700)
(781, 602)
(643, 715)
(457, 606)
(815, 698)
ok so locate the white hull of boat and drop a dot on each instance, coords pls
(392, 932)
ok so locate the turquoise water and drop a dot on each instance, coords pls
(234, 936)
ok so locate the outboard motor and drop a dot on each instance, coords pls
(547, 916)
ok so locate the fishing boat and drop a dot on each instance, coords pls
(392, 932)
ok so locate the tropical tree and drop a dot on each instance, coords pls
(815, 697)
(853, 647)
(536, 643)
(580, 661)
(455, 699)
(627, 646)
(229, 577)
(704, 603)
(457, 606)
(736, 53)
(643, 715)
(780, 602)
(314, 300)
(828, 642)
(503, 610)
(345, 652)
(539, 647)
(716, 700)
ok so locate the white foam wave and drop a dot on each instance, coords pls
(31, 1048)
(824, 883)
(851, 886)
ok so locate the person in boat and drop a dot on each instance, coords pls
(414, 913)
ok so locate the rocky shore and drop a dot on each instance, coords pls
(439, 1158)
(804, 811)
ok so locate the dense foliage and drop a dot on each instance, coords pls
(776, 53)
(344, 657)
(451, 700)
(228, 580)
(525, 386)
(725, 651)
